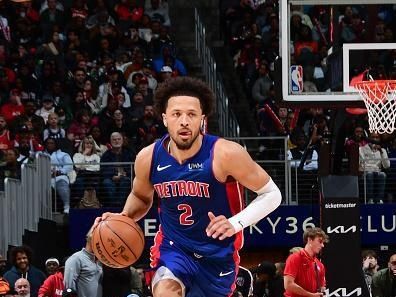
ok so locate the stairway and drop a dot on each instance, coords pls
(182, 17)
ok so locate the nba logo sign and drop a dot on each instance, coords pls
(296, 78)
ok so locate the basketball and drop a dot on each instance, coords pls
(118, 241)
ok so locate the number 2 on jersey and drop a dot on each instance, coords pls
(184, 218)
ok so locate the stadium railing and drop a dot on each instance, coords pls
(25, 201)
(228, 124)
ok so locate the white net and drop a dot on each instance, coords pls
(380, 100)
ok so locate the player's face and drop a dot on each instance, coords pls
(183, 117)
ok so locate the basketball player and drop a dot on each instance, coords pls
(198, 179)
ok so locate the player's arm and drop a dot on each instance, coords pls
(141, 197)
(231, 159)
(292, 287)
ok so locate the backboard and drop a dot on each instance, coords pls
(325, 43)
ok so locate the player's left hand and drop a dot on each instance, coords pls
(219, 226)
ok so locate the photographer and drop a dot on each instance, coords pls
(373, 159)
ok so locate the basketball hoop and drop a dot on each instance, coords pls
(379, 96)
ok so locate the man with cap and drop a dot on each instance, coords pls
(267, 283)
(53, 286)
(165, 73)
(51, 265)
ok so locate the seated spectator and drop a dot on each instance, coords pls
(53, 130)
(29, 115)
(51, 265)
(61, 164)
(6, 141)
(166, 72)
(120, 125)
(149, 128)
(11, 168)
(13, 108)
(128, 12)
(142, 87)
(373, 160)
(266, 280)
(176, 64)
(384, 280)
(48, 106)
(53, 286)
(87, 164)
(101, 146)
(358, 139)
(157, 42)
(296, 154)
(106, 117)
(116, 178)
(262, 85)
(81, 125)
(370, 266)
(22, 287)
(159, 11)
(90, 93)
(51, 16)
(21, 259)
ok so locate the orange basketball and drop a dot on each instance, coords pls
(118, 241)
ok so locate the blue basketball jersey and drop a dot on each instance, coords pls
(187, 192)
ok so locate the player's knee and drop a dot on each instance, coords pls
(167, 288)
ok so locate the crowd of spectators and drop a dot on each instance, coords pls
(251, 30)
(72, 73)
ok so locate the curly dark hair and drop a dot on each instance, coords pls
(24, 249)
(184, 86)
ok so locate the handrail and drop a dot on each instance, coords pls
(228, 124)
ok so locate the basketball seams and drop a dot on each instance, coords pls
(119, 237)
(139, 231)
(104, 246)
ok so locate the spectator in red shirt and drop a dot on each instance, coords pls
(53, 286)
(5, 138)
(304, 274)
(13, 107)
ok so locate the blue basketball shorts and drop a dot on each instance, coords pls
(199, 276)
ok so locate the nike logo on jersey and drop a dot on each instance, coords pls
(159, 168)
(226, 273)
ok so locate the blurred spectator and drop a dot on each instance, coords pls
(61, 165)
(53, 286)
(11, 167)
(53, 130)
(159, 11)
(373, 160)
(21, 258)
(120, 125)
(4, 286)
(106, 116)
(3, 265)
(296, 154)
(168, 58)
(90, 93)
(13, 107)
(29, 115)
(157, 42)
(83, 273)
(165, 73)
(96, 134)
(267, 282)
(128, 12)
(142, 87)
(51, 16)
(358, 139)
(149, 128)
(244, 282)
(51, 265)
(87, 164)
(22, 287)
(262, 85)
(6, 141)
(384, 280)
(370, 266)
(116, 177)
(81, 125)
(48, 106)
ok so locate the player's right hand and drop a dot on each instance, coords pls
(104, 216)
